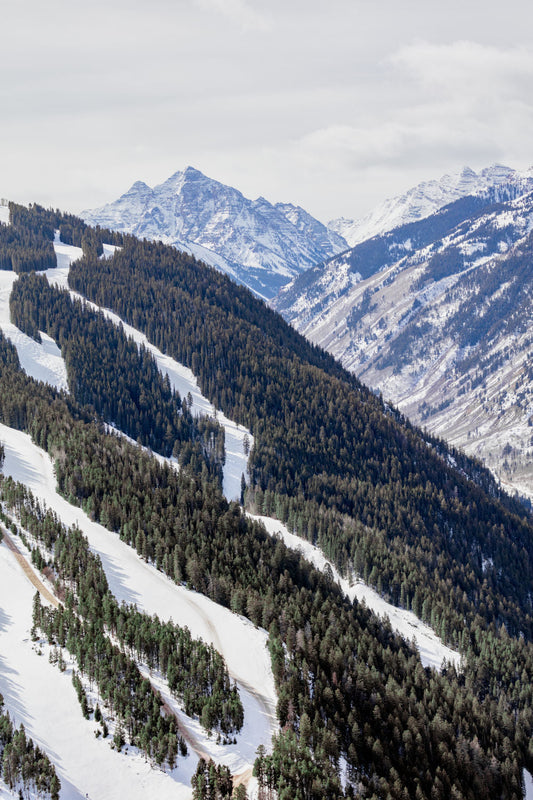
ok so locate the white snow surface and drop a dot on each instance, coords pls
(181, 378)
(45, 700)
(432, 650)
(528, 785)
(4, 217)
(41, 361)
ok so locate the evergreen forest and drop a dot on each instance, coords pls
(426, 526)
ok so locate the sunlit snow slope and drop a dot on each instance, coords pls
(130, 579)
(41, 361)
(38, 695)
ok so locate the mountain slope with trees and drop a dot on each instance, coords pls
(424, 524)
(436, 315)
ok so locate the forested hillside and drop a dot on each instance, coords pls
(107, 371)
(436, 315)
(328, 457)
(426, 526)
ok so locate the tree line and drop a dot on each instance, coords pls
(22, 763)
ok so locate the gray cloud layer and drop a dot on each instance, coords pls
(333, 106)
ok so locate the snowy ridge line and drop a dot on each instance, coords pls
(182, 379)
(429, 196)
(133, 581)
(432, 650)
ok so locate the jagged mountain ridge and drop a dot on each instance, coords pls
(259, 244)
(438, 317)
(499, 182)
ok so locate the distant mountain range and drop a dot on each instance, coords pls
(260, 245)
(498, 182)
(437, 314)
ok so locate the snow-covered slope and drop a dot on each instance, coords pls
(259, 244)
(502, 183)
(44, 363)
(437, 315)
(44, 700)
(60, 727)
(132, 580)
(40, 360)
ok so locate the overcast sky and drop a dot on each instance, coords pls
(332, 105)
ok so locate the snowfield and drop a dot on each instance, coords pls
(528, 785)
(432, 650)
(42, 698)
(242, 645)
(42, 361)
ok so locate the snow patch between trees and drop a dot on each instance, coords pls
(238, 441)
(42, 361)
(528, 785)
(432, 650)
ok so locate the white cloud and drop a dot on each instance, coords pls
(238, 11)
(322, 104)
(467, 67)
(397, 142)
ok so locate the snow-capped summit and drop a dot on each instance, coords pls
(261, 245)
(499, 182)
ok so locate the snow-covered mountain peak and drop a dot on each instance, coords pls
(139, 187)
(260, 244)
(502, 183)
(181, 178)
